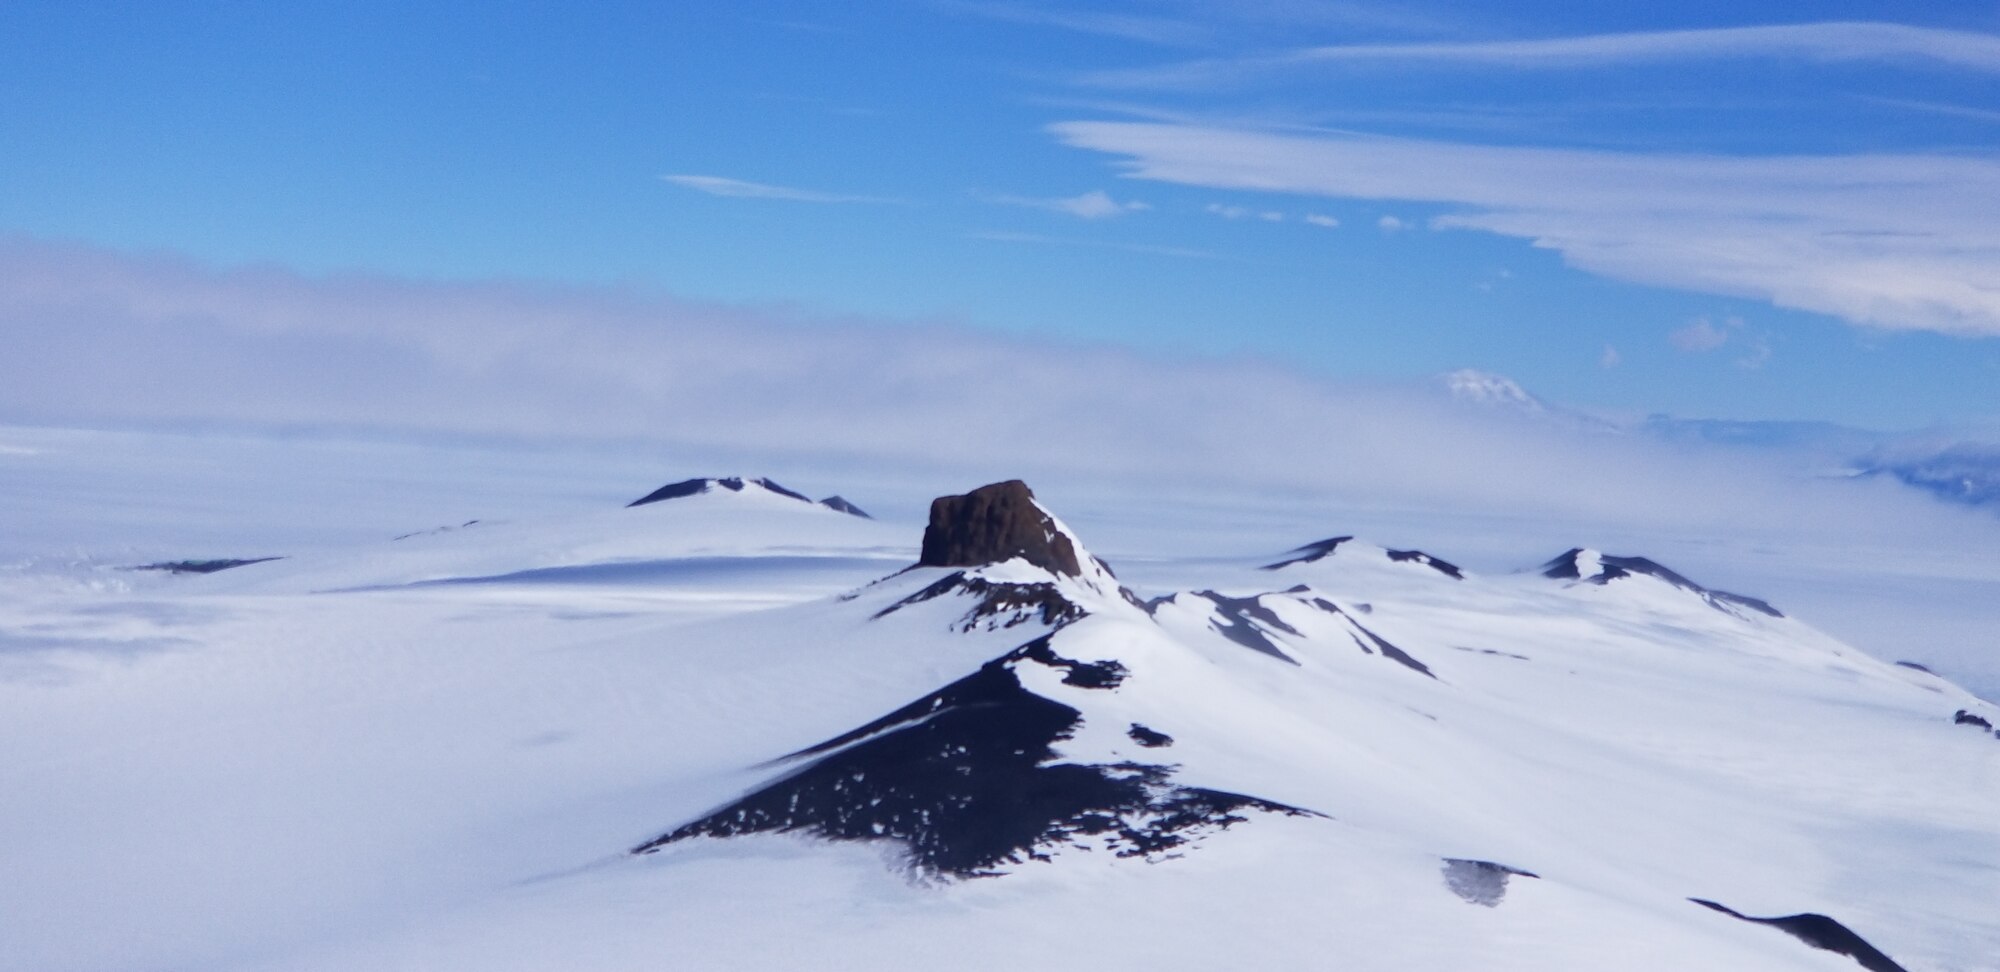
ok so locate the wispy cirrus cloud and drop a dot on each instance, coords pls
(740, 189)
(1889, 241)
(1835, 41)
(1095, 204)
(1182, 252)
(1937, 108)
(1125, 26)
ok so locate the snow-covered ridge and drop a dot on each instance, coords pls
(691, 530)
(1081, 714)
(789, 714)
(1593, 567)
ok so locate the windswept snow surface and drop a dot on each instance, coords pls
(438, 751)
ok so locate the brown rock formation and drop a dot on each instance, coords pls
(995, 523)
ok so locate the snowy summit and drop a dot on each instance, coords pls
(753, 731)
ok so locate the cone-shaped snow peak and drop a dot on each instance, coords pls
(970, 779)
(1594, 567)
(1105, 727)
(727, 484)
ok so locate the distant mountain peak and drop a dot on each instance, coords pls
(1593, 567)
(1487, 388)
(839, 504)
(732, 484)
(1323, 549)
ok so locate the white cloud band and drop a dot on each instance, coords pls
(1891, 241)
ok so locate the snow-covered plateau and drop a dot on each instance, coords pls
(736, 728)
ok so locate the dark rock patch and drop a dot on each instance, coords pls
(1964, 718)
(686, 487)
(1390, 651)
(1480, 882)
(692, 487)
(433, 530)
(992, 524)
(1149, 738)
(1368, 641)
(202, 566)
(1309, 553)
(1238, 619)
(1758, 605)
(1820, 932)
(1443, 567)
(1915, 666)
(1106, 674)
(841, 505)
(966, 780)
(1492, 651)
(996, 604)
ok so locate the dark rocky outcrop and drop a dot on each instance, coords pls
(840, 504)
(1234, 617)
(1316, 550)
(996, 604)
(995, 523)
(1249, 621)
(1480, 882)
(693, 487)
(1389, 651)
(968, 781)
(1611, 568)
(202, 566)
(434, 531)
(1149, 738)
(1820, 932)
(1964, 718)
(1915, 666)
(1443, 567)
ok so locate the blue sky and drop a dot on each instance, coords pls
(1786, 211)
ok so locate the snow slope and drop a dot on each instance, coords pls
(442, 751)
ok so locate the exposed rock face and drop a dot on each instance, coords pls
(997, 605)
(1820, 932)
(1480, 882)
(839, 504)
(202, 566)
(992, 524)
(1317, 550)
(969, 782)
(1964, 718)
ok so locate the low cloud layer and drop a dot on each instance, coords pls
(1241, 456)
(98, 337)
(1885, 241)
